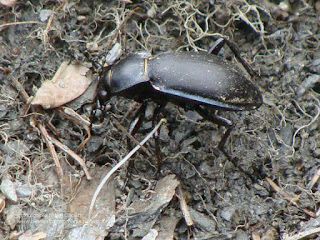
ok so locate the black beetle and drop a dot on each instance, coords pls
(183, 78)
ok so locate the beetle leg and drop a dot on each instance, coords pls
(216, 47)
(98, 105)
(133, 128)
(136, 123)
(233, 47)
(221, 122)
(227, 124)
(155, 120)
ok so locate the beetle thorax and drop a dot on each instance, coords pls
(127, 73)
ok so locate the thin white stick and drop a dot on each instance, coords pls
(115, 168)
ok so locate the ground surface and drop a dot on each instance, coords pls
(277, 146)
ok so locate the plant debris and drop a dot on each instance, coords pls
(51, 161)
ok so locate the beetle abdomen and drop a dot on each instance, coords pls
(203, 78)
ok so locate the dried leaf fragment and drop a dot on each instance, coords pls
(8, 3)
(105, 205)
(29, 235)
(2, 202)
(69, 82)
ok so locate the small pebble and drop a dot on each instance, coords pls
(23, 191)
(227, 213)
(45, 14)
(316, 153)
(13, 216)
(8, 189)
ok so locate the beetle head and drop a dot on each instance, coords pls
(102, 95)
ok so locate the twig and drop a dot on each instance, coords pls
(123, 161)
(18, 23)
(184, 207)
(314, 179)
(281, 192)
(75, 117)
(304, 234)
(50, 140)
(72, 154)
(52, 150)
(22, 92)
(46, 31)
(286, 196)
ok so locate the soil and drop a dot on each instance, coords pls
(269, 190)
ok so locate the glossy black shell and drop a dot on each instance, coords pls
(185, 77)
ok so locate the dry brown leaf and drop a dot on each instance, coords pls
(167, 226)
(105, 205)
(8, 3)
(161, 197)
(28, 235)
(2, 202)
(69, 82)
(144, 213)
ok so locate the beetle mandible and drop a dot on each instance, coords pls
(192, 79)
